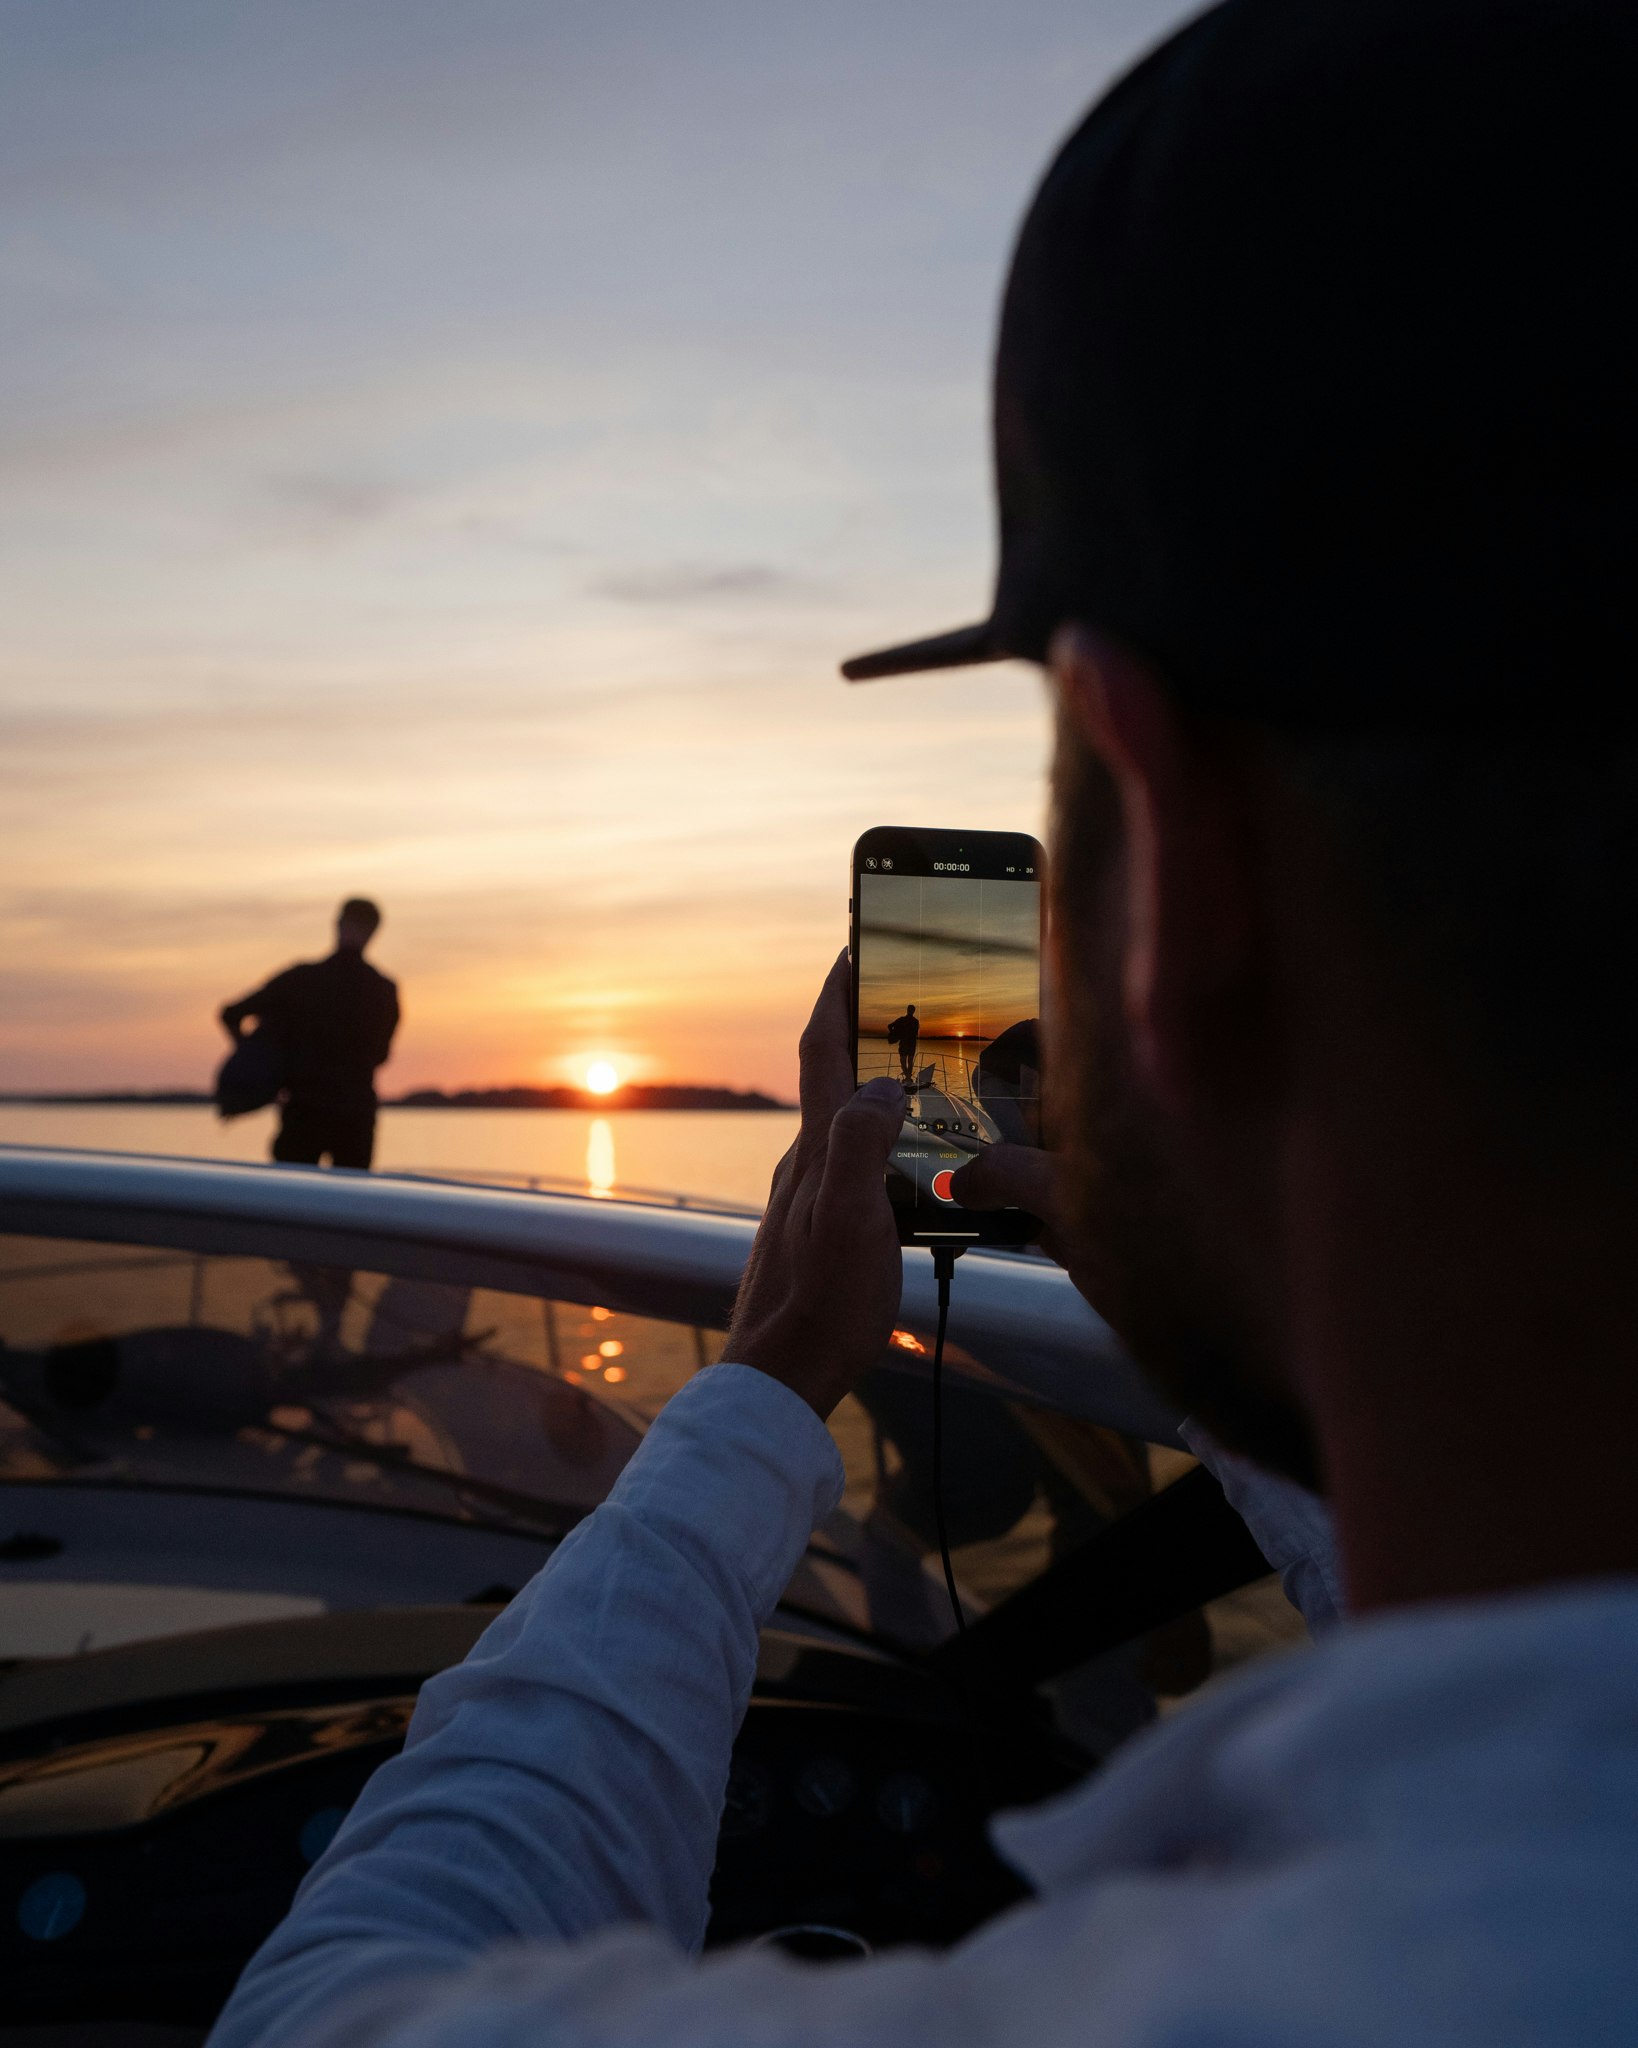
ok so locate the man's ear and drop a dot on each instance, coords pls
(1187, 905)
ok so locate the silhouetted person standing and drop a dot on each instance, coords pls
(904, 1032)
(334, 1020)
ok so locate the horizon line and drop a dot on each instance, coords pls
(429, 1096)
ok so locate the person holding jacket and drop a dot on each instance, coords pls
(333, 1020)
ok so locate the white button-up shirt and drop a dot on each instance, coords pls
(1423, 1831)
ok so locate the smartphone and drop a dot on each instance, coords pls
(946, 942)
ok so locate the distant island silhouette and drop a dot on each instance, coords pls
(635, 1095)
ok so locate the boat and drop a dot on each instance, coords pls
(277, 1444)
(945, 1121)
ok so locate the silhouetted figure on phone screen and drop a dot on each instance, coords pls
(904, 1032)
(333, 1020)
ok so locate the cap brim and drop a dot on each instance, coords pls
(963, 648)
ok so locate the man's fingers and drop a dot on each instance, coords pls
(783, 1174)
(827, 1069)
(862, 1133)
(1008, 1177)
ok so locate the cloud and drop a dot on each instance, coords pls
(324, 502)
(685, 583)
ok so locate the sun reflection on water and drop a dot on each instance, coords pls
(600, 1156)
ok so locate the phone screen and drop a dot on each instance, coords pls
(947, 982)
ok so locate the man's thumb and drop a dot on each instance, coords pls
(1007, 1177)
(862, 1133)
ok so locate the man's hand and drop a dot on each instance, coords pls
(1009, 1177)
(819, 1297)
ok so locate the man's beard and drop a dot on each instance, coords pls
(1136, 1227)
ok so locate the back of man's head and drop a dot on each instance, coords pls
(1315, 391)
(1317, 452)
(1391, 456)
(357, 922)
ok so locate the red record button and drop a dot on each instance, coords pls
(941, 1184)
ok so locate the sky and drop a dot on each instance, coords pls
(444, 453)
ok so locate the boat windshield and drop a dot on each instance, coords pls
(125, 1366)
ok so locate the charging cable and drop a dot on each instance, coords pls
(944, 1258)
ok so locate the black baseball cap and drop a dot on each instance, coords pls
(1317, 379)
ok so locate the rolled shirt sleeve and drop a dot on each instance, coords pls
(1290, 1526)
(569, 1775)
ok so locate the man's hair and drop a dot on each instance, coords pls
(360, 911)
(1501, 873)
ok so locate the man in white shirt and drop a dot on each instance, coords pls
(1317, 445)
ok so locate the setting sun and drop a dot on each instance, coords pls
(601, 1077)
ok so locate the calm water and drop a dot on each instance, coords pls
(720, 1155)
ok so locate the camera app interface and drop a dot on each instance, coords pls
(949, 1002)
